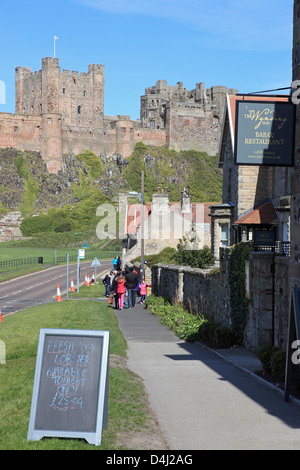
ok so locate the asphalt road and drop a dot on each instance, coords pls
(41, 287)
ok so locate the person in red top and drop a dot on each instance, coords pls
(121, 289)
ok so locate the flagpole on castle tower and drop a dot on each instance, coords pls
(55, 37)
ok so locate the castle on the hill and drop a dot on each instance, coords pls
(60, 112)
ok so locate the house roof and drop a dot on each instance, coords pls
(229, 116)
(263, 214)
(199, 214)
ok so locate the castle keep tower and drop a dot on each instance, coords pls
(63, 100)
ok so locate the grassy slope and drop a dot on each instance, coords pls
(20, 334)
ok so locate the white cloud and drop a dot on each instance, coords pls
(234, 24)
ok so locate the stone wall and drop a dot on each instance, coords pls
(59, 112)
(10, 226)
(207, 292)
(200, 291)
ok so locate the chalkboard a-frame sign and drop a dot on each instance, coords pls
(70, 390)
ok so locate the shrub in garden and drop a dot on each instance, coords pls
(273, 361)
(216, 335)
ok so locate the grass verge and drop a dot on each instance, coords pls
(20, 334)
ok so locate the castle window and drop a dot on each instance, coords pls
(49, 121)
(84, 92)
(16, 128)
(64, 90)
(123, 130)
(79, 109)
(187, 122)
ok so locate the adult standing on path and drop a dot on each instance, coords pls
(132, 281)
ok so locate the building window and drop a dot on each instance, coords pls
(187, 122)
(123, 130)
(84, 92)
(79, 110)
(16, 128)
(224, 234)
(64, 90)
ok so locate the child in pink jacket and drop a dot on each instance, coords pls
(143, 291)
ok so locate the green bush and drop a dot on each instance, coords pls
(167, 256)
(273, 361)
(264, 355)
(216, 335)
(194, 258)
(184, 324)
(237, 283)
(64, 227)
(277, 364)
(92, 162)
(38, 224)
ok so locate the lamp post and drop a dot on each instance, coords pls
(142, 229)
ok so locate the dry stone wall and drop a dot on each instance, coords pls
(208, 292)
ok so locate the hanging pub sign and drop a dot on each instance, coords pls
(264, 132)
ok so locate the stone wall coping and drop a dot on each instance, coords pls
(183, 269)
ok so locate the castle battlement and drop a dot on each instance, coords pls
(62, 111)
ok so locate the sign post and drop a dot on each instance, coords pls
(95, 264)
(70, 391)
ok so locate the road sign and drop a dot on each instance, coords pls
(95, 263)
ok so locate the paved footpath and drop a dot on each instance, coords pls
(201, 400)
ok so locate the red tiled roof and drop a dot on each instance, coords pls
(197, 214)
(264, 214)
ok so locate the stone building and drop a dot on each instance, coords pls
(61, 111)
(255, 197)
(295, 174)
(166, 223)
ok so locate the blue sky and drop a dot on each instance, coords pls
(243, 44)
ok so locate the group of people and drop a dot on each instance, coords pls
(124, 285)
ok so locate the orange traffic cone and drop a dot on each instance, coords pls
(85, 279)
(1, 319)
(93, 278)
(88, 281)
(58, 295)
(72, 286)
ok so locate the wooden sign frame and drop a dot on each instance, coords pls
(47, 419)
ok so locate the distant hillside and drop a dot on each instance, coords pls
(175, 170)
(68, 201)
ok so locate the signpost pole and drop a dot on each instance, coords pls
(67, 275)
(78, 274)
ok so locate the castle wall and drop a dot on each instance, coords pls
(191, 128)
(20, 131)
(60, 112)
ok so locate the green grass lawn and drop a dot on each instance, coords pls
(20, 333)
